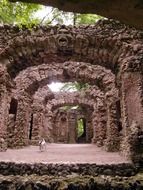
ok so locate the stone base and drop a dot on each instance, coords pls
(128, 152)
(125, 148)
(112, 146)
(97, 142)
(3, 145)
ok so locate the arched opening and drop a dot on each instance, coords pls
(72, 123)
(119, 123)
(89, 88)
(31, 127)
(13, 107)
(33, 63)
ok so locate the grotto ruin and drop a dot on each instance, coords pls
(107, 56)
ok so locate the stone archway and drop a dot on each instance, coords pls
(26, 84)
(107, 44)
(43, 75)
(72, 99)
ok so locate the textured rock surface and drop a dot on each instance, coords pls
(108, 56)
(67, 169)
(34, 182)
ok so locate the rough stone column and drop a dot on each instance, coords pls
(38, 131)
(133, 99)
(89, 131)
(99, 123)
(72, 129)
(112, 133)
(22, 121)
(48, 127)
(132, 107)
(3, 117)
(10, 130)
(4, 102)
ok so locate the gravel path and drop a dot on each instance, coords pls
(62, 153)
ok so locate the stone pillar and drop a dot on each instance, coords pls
(132, 99)
(3, 109)
(3, 118)
(89, 129)
(61, 126)
(38, 131)
(72, 123)
(113, 138)
(132, 107)
(22, 121)
(10, 131)
(99, 123)
(48, 127)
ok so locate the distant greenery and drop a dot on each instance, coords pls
(86, 18)
(18, 13)
(24, 14)
(80, 127)
(74, 86)
(55, 16)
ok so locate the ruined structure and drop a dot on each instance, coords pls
(107, 56)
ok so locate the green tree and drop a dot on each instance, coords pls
(24, 14)
(74, 86)
(80, 127)
(18, 13)
(85, 18)
(55, 16)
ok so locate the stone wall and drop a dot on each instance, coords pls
(72, 182)
(9, 168)
(107, 55)
(65, 125)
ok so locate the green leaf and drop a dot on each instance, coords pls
(18, 13)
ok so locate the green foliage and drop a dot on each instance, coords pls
(24, 14)
(80, 127)
(18, 13)
(86, 18)
(74, 86)
(56, 17)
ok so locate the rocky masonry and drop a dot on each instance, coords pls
(107, 56)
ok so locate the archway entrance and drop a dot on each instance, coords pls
(72, 124)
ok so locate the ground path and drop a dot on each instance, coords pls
(63, 153)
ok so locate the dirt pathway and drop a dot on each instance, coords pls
(62, 153)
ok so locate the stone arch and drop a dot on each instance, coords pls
(68, 71)
(93, 97)
(34, 77)
(109, 44)
(43, 45)
(72, 99)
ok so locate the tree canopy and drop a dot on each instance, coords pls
(128, 12)
(74, 86)
(18, 13)
(25, 14)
